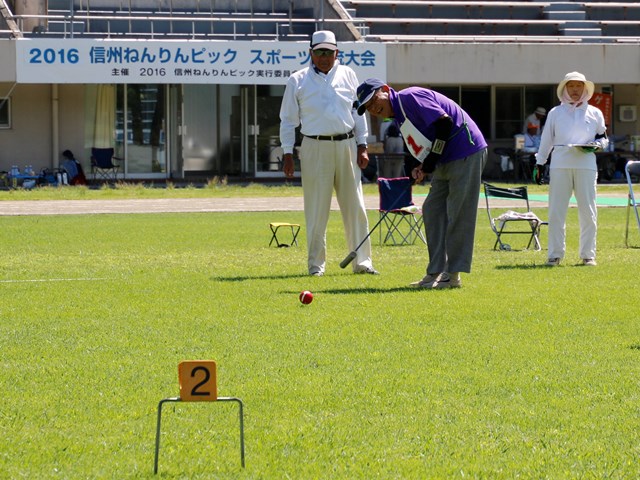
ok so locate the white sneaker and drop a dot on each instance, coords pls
(448, 280)
(553, 262)
(427, 281)
(590, 262)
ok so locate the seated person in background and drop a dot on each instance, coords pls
(75, 173)
(531, 139)
(393, 143)
(531, 143)
(534, 119)
(384, 124)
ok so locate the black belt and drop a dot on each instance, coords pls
(333, 138)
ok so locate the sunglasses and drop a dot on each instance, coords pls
(323, 52)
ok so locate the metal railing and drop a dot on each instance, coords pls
(246, 25)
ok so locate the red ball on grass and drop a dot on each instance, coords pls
(306, 297)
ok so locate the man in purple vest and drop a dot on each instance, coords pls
(450, 146)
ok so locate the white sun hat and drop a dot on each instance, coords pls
(577, 76)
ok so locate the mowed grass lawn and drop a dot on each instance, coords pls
(525, 372)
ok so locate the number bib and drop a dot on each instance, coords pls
(419, 146)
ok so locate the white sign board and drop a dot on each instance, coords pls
(184, 61)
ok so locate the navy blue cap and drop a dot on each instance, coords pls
(365, 92)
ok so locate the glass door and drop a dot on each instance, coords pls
(265, 153)
(141, 130)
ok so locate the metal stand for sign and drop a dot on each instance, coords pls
(218, 399)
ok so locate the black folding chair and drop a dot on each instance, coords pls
(518, 220)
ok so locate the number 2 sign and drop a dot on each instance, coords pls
(198, 381)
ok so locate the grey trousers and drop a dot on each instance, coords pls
(450, 211)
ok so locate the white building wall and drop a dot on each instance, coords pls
(510, 63)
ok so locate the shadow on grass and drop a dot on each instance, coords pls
(537, 266)
(336, 291)
(522, 266)
(366, 290)
(244, 278)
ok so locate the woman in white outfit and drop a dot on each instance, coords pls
(573, 132)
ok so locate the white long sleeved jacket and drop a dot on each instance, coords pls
(568, 125)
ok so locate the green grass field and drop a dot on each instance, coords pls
(525, 372)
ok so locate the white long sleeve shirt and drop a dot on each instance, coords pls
(321, 104)
(567, 125)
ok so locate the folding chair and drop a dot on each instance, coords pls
(401, 220)
(275, 226)
(632, 169)
(520, 214)
(102, 165)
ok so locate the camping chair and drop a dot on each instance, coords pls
(520, 214)
(400, 220)
(102, 165)
(632, 168)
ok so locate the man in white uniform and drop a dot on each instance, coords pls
(320, 99)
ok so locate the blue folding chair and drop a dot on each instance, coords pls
(401, 220)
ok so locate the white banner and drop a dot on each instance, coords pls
(184, 61)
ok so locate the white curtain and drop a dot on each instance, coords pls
(104, 125)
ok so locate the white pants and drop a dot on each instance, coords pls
(563, 182)
(326, 165)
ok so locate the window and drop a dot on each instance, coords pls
(514, 104)
(5, 112)
(539, 96)
(509, 114)
(476, 101)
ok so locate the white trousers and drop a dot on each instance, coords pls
(562, 183)
(325, 166)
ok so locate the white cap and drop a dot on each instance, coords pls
(324, 39)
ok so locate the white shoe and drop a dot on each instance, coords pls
(427, 281)
(589, 262)
(448, 280)
(368, 271)
(553, 262)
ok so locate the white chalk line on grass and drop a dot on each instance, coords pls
(30, 280)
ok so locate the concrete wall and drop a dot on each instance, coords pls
(511, 64)
(71, 100)
(28, 141)
(8, 62)
(31, 7)
(626, 95)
